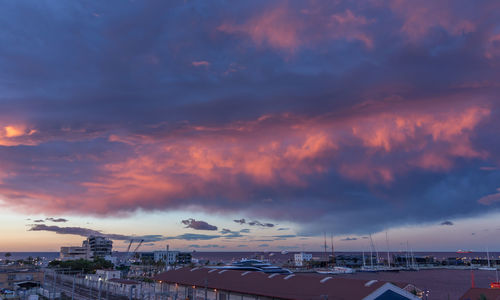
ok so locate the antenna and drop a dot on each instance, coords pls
(388, 257)
(326, 256)
(488, 254)
(333, 255)
(407, 262)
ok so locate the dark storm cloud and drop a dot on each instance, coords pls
(206, 246)
(447, 223)
(193, 237)
(57, 220)
(86, 232)
(331, 115)
(285, 236)
(257, 223)
(198, 225)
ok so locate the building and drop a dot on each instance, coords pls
(481, 293)
(108, 274)
(92, 247)
(167, 256)
(214, 284)
(99, 246)
(10, 278)
(184, 258)
(302, 257)
(73, 253)
(126, 287)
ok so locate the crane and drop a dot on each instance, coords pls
(136, 248)
(130, 244)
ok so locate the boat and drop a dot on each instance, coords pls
(254, 265)
(336, 270)
(464, 251)
(489, 267)
(284, 252)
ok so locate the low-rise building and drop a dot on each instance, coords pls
(10, 277)
(73, 253)
(184, 258)
(169, 257)
(125, 287)
(216, 284)
(301, 258)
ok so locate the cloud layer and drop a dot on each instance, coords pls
(356, 116)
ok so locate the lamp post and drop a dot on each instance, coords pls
(100, 284)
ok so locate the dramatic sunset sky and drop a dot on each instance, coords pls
(250, 125)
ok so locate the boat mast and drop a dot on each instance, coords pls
(333, 255)
(407, 262)
(488, 254)
(373, 249)
(371, 254)
(387, 242)
(326, 255)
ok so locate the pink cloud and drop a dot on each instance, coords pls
(17, 134)
(276, 28)
(493, 47)
(200, 63)
(287, 29)
(490, 199)
(421, 16)
(272, 151)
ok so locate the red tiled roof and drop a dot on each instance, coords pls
(295, 286)
(475, 294)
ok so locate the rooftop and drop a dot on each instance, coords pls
(476, 293)
(284, 286)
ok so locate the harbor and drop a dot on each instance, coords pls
(434, 275)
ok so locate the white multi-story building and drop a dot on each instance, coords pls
(92, 247)
(99, 246)
(169, 257)
(302, 257)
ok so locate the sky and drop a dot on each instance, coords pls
(250, 125)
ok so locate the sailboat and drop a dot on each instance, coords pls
(334, 269)
(489, 267)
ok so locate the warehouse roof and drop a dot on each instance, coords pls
(284, 286)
